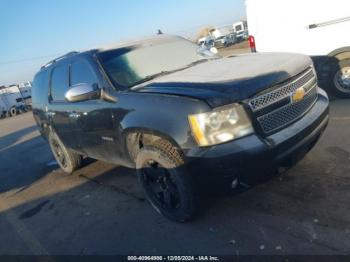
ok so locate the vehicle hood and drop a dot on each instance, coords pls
(232, 79)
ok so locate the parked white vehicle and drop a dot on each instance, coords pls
(240, 29)
(221, 31)
(26, 91)
(207, 41)
(223, 36)
(12, 100)
(313, 27)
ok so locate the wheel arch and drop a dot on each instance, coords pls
(325, 63)
(136, 138)
(340, 53)
(326, 68)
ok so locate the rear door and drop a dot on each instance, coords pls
(59, 110)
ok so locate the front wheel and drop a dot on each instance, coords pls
(167, 185)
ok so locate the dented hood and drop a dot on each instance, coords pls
(228, 80)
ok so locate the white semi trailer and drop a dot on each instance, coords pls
(14, 99)
(313, 27)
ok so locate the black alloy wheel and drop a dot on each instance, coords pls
(159, 185)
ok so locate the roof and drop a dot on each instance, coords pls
(59, 58)
(146, 40)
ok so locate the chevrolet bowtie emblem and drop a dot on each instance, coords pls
(298, 95)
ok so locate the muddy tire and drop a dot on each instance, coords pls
(66, 159)
(166, 182)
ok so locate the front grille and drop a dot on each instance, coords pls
(275, 109)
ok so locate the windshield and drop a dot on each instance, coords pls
(130, 66)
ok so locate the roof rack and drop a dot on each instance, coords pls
(59, 58)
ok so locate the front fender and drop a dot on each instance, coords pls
(162, 115)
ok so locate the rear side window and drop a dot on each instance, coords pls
(40, 89)
(59, 83)
(81, 73)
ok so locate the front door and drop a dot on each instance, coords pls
(92, 121)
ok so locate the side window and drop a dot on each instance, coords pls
(40, 88)
(59, 83)
(81, 73)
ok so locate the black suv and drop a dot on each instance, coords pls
(185, 118)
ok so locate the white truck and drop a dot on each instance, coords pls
(313, 27)
(14, 99)
(240, 29)
(26, 91)
(223, 36)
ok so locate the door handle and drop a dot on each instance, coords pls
(50, 113)
(74, 115)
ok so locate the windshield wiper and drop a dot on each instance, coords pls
(197, 62)
(150, 77)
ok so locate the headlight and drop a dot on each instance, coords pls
(221, 125)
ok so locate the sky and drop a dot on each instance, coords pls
(33, 32)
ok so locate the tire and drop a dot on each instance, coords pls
(166, 182)
(13, 111)
(339, 78)
(66, 159)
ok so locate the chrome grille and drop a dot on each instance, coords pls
(281, 92)
(275, 109)
(287, 114)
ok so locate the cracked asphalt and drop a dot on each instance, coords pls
(100, 209)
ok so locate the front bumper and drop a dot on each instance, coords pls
(253, 157)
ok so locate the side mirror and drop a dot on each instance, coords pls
(82, 92)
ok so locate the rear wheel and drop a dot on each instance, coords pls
(340, 78)
(165, 181)
(13, 111)
(66, 159)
